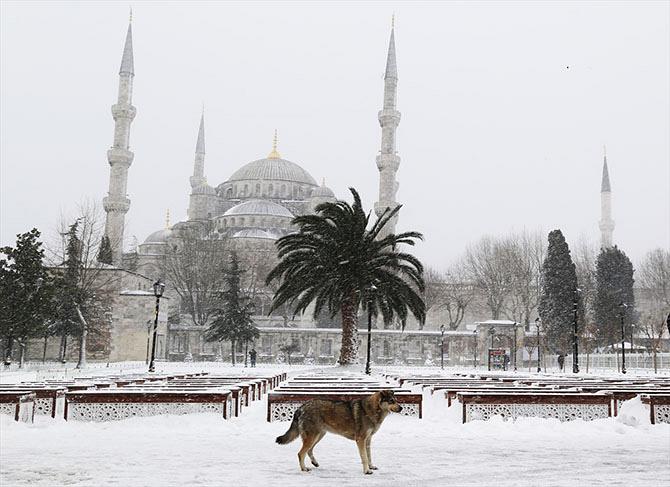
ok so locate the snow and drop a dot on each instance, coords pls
(204, 450)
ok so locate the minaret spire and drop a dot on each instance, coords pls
(606, 223)
(389, 118)
(116, 203)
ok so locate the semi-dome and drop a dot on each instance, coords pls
(259, 207)
(254, 233)
(161, 236)
(274, 169)
(323, 191)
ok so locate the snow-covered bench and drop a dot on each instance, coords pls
(49, 400)
(282, 404)
(659, 407)
(513, 405)
(121, 403)
(20, 405)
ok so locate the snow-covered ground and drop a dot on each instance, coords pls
(204, 450)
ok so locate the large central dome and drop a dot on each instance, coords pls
(273, 168)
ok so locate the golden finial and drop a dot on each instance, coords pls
(167, 219)
(130, 19)
(274, 154)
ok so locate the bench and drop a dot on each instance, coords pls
(659, 407)
(564, 407)
(114, 404)
(49, 400)
(282, 405)
(21, 405)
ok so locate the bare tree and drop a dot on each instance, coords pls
(487, 264)
(653, 325)
(524, 253)
(194, 266)
(654, 276)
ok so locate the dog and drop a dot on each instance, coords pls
(356, 420)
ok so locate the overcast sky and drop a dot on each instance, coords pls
(505, 110)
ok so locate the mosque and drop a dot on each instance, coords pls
(250, 211)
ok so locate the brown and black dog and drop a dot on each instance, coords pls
(356, 420)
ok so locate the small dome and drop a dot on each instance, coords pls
(323, 192)
(203, 189)
(254, 233)
(274, 169)
(259, 207)
(161, 236)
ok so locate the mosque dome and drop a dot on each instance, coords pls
(259, 208)
(323, 191)
(254, 233)
(161, 236)
(274, 169)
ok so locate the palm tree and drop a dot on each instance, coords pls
(337, 263)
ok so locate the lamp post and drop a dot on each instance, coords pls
(538, 322)
(623, 307)
(159, 288)
(442, 346)
(148, 340)
(575, 350)
(492, 332)
(474, 358)
(371, 291)
(515, 344)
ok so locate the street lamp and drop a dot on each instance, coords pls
(575, 350)
(474, 358)
(623, 307)
(492, 332)
(442, 346)
(515, 344)
(538, 322)
(159, 288)
(371, 291)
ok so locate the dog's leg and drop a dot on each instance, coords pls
(364, 455)
(310, 452)
(367, 449)
(308, 440)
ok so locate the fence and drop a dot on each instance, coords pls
(612, 362)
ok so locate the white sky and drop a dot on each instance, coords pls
(505, 109)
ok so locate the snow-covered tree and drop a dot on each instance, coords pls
(614, 286)
(559, 291)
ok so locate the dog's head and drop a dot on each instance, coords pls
(387, 402)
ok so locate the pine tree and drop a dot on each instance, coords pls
(559, 289)
(614, 286)
(233, 320)
(25, 292)
(105, 251)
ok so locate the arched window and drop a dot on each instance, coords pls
(258, 188)
(283, 190)
(229, 193)
(246, 190)
(270, 190)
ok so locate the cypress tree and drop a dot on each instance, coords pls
(614, 285)
(233, 320)
(559, 284)
(105, 251)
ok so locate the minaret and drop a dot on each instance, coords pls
(388, 161)
(200, 202)
(116, 203)
(606, 223)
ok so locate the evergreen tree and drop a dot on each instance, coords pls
(105, 251)
(559, 289)
(25, 292)
(614, 286)
(232, 321)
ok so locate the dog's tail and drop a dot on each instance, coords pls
(292, 432)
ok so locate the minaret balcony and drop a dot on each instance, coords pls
(116, 203)
(117, 155)
(388, 161)
(389, 118)
(121, 110)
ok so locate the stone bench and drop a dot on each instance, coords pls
(121, 403)
(49, 400)
(20, 405)
(451, 393)
(282, 405)
(659, 407)
(513, 405)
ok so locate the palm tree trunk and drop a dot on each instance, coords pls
(22, 354)
(232, 351)
(63, 348)
(349, 348)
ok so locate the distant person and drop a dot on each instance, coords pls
(506, 362)
(252, 357)
(561, 361)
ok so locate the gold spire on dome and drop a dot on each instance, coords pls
(274, 154)
(167, 219)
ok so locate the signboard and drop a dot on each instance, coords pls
(497, 359)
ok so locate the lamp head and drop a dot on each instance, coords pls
(159, 288)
